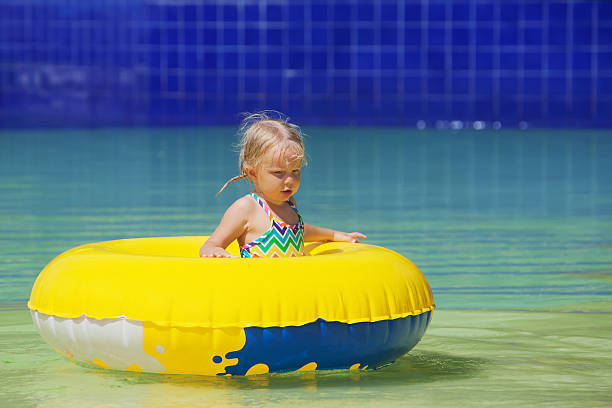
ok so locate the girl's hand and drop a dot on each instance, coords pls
(215, 252)
(348, 236)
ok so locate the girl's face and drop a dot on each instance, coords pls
(278, 176)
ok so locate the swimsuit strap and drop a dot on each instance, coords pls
(273, 219)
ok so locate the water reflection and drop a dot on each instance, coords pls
(415, 367)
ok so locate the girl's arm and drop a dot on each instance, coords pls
(232, 225)
(314, 233)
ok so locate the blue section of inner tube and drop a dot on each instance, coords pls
(332, 345)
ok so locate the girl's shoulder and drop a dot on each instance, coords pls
(242, 207)
(246, 202)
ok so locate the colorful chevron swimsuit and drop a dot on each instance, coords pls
(281, 240)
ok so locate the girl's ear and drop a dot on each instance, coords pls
(251, 173)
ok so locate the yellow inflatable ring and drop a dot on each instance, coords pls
(151, 304)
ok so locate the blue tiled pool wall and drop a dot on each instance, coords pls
(416, 63)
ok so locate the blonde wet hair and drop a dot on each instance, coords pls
(262, 131)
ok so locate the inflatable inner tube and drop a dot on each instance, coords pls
(151, 304)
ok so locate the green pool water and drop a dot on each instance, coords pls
(513, 230)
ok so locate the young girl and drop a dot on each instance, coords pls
(266, 222)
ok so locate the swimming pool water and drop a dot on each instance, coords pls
(512, 229)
